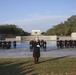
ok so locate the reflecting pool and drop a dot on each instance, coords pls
(25, 44)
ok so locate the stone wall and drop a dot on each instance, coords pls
(65, 38)
(46, 38)
(10, 39)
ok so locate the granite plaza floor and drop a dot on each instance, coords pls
(25, 52)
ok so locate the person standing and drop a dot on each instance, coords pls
(14, 44)
(44, 45)
(0, 44)
(36, 51)
(31, 45)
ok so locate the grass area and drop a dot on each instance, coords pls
(46, 66)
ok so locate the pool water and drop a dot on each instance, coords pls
(25, 44)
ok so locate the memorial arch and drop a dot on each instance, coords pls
(35, 33)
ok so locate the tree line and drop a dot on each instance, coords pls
(11, 30)
(63, 29)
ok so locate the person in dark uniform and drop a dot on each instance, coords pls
(31, 45)
(14, 44)
(7, 45)
(3, 45)
(44, 45)
(75, 43)
(61, 44)
(0, 44)
(36, 51)
(67, 44)
(58, 44)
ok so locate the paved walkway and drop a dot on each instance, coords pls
(23, 52)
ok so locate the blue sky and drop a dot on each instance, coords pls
(36, 14)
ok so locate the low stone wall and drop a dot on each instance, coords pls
(10, 39)
(65, 38)
(18, 38)
(46, 38)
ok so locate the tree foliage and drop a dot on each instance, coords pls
(11, 31)
(64, 29)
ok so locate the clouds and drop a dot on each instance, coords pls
(36, 14)
(38, 21)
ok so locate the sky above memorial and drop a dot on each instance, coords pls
(36, 14)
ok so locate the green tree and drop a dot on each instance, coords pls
(64, 29)
(12, 30)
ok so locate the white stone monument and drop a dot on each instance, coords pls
(18, 38)
(73, 36)
(35, 32)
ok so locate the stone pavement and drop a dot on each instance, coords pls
(25, 52)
